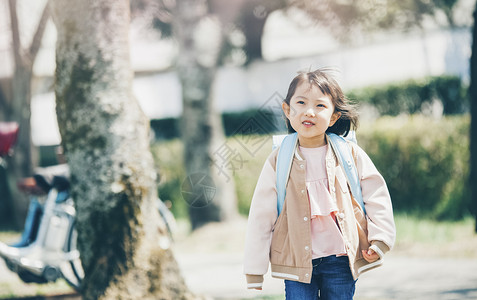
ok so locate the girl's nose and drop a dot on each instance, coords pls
(310, 112)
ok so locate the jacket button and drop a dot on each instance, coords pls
(307, 248)
(341, 215)
(307, 275)
(305, 219)
(302, 191)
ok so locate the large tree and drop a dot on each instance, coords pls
(123, 243)
(16, 107)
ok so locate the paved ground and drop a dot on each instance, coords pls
(211, 262)
(215, 268)
(220, 276)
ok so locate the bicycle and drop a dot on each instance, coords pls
(47, 249)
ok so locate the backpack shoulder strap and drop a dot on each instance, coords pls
(284, 162)
(346, 161)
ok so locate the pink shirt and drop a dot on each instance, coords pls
(325, 234)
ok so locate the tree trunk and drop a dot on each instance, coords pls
(253, 17)
(123, 243)
(26, 155)
(209, 188)
(473, 129)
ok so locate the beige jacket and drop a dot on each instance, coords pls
(286, 242)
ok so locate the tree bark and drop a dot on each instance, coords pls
(210, 189)
(123, 243)
(473, 129)
(253, 22)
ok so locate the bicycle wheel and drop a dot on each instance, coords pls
(167, 217)
(74, 273)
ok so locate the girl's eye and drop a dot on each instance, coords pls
(321, 105)
(300, 102)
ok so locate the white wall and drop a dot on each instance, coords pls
(437, 53)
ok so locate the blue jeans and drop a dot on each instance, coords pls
(331, 280)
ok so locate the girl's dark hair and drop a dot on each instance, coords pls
(328, 86)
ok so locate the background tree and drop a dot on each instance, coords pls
(352, 21)
(203, 31)
(246, 18)
(473, 129)
(123, 243)
(200, 35)
(16, 107)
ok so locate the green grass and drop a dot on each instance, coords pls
(249, 154)
(13, 289)
(16, 287)
(412, 229)
(424, 237)
(247, 175)
(9, 236)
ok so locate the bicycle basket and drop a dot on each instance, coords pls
(8, 136)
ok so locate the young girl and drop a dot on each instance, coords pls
(322, 240)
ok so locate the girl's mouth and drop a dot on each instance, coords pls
(307, 123)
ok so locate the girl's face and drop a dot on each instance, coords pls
(310, 113)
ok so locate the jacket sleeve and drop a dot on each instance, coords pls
(377, 201)
(262, 217)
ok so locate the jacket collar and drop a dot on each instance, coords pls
(330, 154)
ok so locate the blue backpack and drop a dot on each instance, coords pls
(342, 150)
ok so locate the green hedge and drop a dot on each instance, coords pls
(412, 96)
(424, 161)
(233, 122)
(165, 129)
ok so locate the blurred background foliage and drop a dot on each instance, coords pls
(425, 162)
(416, 96)
(424, 158)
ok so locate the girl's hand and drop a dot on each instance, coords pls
(369, 255)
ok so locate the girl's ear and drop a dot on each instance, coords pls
(335, 117)
(286, 109)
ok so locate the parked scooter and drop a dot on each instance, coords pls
(47, 248)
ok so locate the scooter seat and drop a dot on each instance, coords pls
(61, 183)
